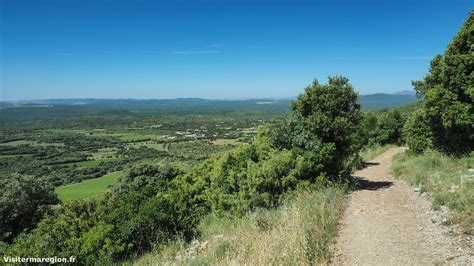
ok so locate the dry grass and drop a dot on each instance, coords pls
(299, 232)
(369, 153)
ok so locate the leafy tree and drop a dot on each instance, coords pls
(448, 93)
(368, 129)
(323, 126)
(388, 128)
(23, 202)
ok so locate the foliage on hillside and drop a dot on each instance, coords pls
(154, 204)
(447, 115)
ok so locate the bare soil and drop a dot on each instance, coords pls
(387, 223)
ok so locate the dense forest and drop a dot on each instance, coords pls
(177, 170)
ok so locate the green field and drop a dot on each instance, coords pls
(88, 188)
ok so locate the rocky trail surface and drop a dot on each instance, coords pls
(387, 223)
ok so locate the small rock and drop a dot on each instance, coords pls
(204, 245)
(417, 189)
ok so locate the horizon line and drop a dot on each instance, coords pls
(405, 92)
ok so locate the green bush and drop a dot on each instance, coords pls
(417, 133)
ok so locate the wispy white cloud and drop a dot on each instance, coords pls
(216, 45)
(196, 52)
(149, 52)
(64, 54)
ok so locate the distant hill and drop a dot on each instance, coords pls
(383, 100)
(198, 105)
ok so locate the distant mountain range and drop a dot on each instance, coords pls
(368, 102)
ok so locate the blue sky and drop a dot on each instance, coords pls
(217, 48)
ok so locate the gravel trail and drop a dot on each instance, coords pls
(387, 223)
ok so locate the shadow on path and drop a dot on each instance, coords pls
(363, 184)
(370, 164)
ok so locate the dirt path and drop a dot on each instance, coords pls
(387, 223)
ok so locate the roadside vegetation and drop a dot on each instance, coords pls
(298, 232)
(448, 180)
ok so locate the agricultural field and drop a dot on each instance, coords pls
(79, 152)
(87, 188)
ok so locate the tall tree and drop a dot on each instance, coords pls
(448, 93)
(324, 121)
